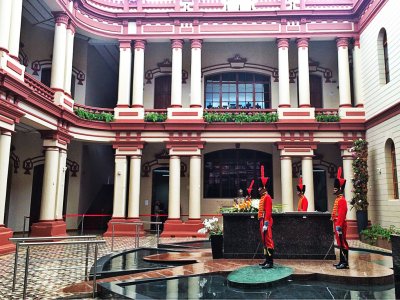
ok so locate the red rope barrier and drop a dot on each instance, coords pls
(143, 215)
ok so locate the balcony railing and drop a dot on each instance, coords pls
(39, 87)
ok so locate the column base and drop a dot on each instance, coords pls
(11, 66)
(352, 113)
(294, 113)
(179, 113)
(177, 228)
(123, 229)
(5, 245)
(352, 230)
(49, 228)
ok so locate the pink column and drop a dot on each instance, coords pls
(176, 80)
(284, 87)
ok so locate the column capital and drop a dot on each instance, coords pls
(302, 42)
(177, 44)
(71, 26)
(125, 44)
(282, 43)
(342, 42)
(56, 138)
(61, 18)
(356, 42)
(196, 43)
(139, 44)
(5, 132)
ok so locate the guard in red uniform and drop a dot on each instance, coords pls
(265, 219)
(303, 202)
(339, 213)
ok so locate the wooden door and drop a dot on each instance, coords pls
(162, 92)
(315, 91)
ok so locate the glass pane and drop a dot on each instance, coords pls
(242, 77)
(259, 88)
(249, 87)
(228, 77)
(232, 88)
(225, 87)
(249, 96)
(208, 88)
(232, 98)
(242, 97)
(259, 97)
(241, 87)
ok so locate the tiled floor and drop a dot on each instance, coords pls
(46, 281)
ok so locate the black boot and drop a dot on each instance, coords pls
(342, 259)
(270, 264)
(264, 262)
(344, 264)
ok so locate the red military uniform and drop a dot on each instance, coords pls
(339, 213)
(265, 214)
(302, 204)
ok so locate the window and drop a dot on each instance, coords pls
(383, 57)
(394, 170)
(237, 90)
(227, 171)
(162, 92)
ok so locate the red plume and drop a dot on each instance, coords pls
(264, 179)
(339, 175)
(250, 188)
(300, 183)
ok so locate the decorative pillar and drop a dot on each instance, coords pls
(134, 187)
(308, 180)
(59, 52)
(304, 73)
(119, 202)
(70, 34)
(358, 96)
(138, 74)
(352, 229)
(344, 72)
(15, 28)
(284, 87)
(174, 195)
(5, 24)
(194, 188)
(176, 79)
(62, 168)
(124, 79)
(286, 183)
(5, 145)
(5, 233)
(195, 74)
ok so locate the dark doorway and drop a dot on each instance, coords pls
(315, 91)
(159, 198)
(162, 92)
(320, 191)
(8, 192)
(37, 185)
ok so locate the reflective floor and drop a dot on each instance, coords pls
(216, 287)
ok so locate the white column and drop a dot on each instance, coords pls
(124, 79)
(174, 195)
(120, 186)
(5, 144)
(308, 180)
(15, 28)
(194, 187)
(172, 289)
(134, 187)
(59, 52)
(176, 78)
(62, 168)
(287, 183)
(284, 87)
(49, 190)
(358, 95)
(344, 72)
(348, 175)
(195, 74)
(193, 288)
(70, 34)
(304, 72)
(138, 74)
(5, 23)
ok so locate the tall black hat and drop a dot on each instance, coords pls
(340, 182)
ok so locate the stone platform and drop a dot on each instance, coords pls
(251, 277)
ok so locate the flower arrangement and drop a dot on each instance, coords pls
(211, 226)
(360, 170)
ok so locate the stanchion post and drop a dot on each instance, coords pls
(83, 221)
(96, 249)
(112, 237)
(158, 234)
(26, 272)
(87, 263)
(137, 235)
(24, 229)
(15, 266)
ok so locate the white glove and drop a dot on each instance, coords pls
(265, 227)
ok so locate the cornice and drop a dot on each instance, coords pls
(383, 116)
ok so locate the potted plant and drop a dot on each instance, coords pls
(212, 227)
(360, 182)
(379, 236)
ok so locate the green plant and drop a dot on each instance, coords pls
(94, 116)
(320, 117)
(241, 117)
(155, 117)
(360, 178)
(375, 231)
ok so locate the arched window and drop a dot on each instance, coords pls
(227, 171)
(237, 90)
(383, 57)
(392, 169)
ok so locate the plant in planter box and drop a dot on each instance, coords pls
(377, 233)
